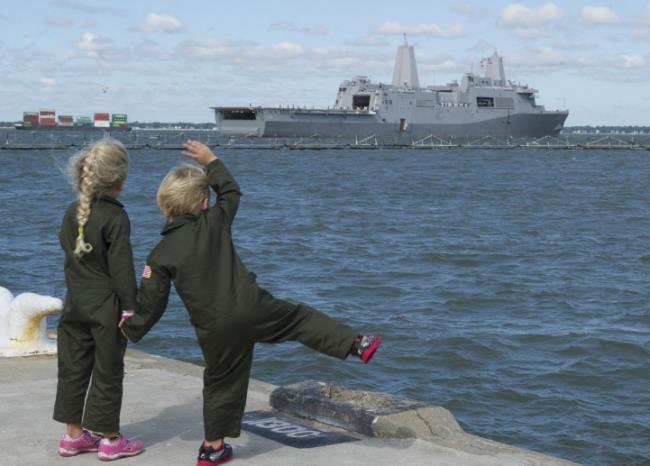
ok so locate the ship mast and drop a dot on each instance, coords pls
(405, 73)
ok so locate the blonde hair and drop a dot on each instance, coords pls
(182, 191)
(95, 171)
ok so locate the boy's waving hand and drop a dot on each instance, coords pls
(198, 152)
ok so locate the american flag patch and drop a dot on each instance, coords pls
(146, 273)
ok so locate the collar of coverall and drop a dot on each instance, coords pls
(111, 199)
(178, 222)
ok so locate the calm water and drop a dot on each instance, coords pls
(512, 286)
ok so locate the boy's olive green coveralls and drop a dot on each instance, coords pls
(229, 311)
(100, 285)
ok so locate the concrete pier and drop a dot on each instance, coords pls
(162, 407)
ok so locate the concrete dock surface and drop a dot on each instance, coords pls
(163, 408)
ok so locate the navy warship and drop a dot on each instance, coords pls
(488, 105)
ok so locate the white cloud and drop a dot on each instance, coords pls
(517, 15)
(529, 23)
(155, 22)
(59, 21)
(432, 30)
(91, 9)
(286, 50)
(149, 49)
(599, 15)
(440, 64)
(289, 26)
(372, 41)
(586, 62)
(480, 47)
(48, 82)
(93, 46)
(463, 9)
(641, 34)
(643, 20)
(528, 33)
(632, 61)
(210, 48)
(535, 59)
(550, 56)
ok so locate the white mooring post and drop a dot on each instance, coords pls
(23, 326)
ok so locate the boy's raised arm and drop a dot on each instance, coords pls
(219, 177)
(152, 299)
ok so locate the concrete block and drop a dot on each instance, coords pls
(369, 413)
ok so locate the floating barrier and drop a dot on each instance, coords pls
(174, 139)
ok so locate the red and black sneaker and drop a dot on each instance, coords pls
(365, 347)
(208, 456)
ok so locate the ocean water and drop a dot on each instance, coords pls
(512, 287)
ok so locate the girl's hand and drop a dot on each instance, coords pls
(198, 152)
(126, 315)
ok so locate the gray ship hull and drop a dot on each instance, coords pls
(549, 124)
(280, 122)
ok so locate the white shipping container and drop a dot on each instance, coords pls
(102, 124)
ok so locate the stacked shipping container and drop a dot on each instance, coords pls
(102, 120)
(30, 119)
(84, 121)
(65, 120)
(46, 118)
(118, 120)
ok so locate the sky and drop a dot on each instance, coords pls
(163, 60)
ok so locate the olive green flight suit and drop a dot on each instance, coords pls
(228, 309)
(90, 345)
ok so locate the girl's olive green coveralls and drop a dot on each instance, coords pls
(90, 345)
(228, 309)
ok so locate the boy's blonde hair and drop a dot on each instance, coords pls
(95, 171)
(183, 191)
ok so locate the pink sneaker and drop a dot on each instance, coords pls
(110, 450)
(69, 446)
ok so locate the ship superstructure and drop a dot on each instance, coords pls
(488, 105)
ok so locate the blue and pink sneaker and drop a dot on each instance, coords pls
(365, 346)
(86, 442)
(121, 447)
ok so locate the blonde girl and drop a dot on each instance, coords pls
(101, 293)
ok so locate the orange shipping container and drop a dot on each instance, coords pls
(102, 117)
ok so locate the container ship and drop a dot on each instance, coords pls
(46, 120)
(488, 105)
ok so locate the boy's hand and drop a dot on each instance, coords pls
(198, 152)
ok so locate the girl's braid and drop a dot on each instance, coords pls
(86, 191)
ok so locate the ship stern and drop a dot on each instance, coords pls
(239, 121)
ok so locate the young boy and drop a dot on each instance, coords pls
(228, 309)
